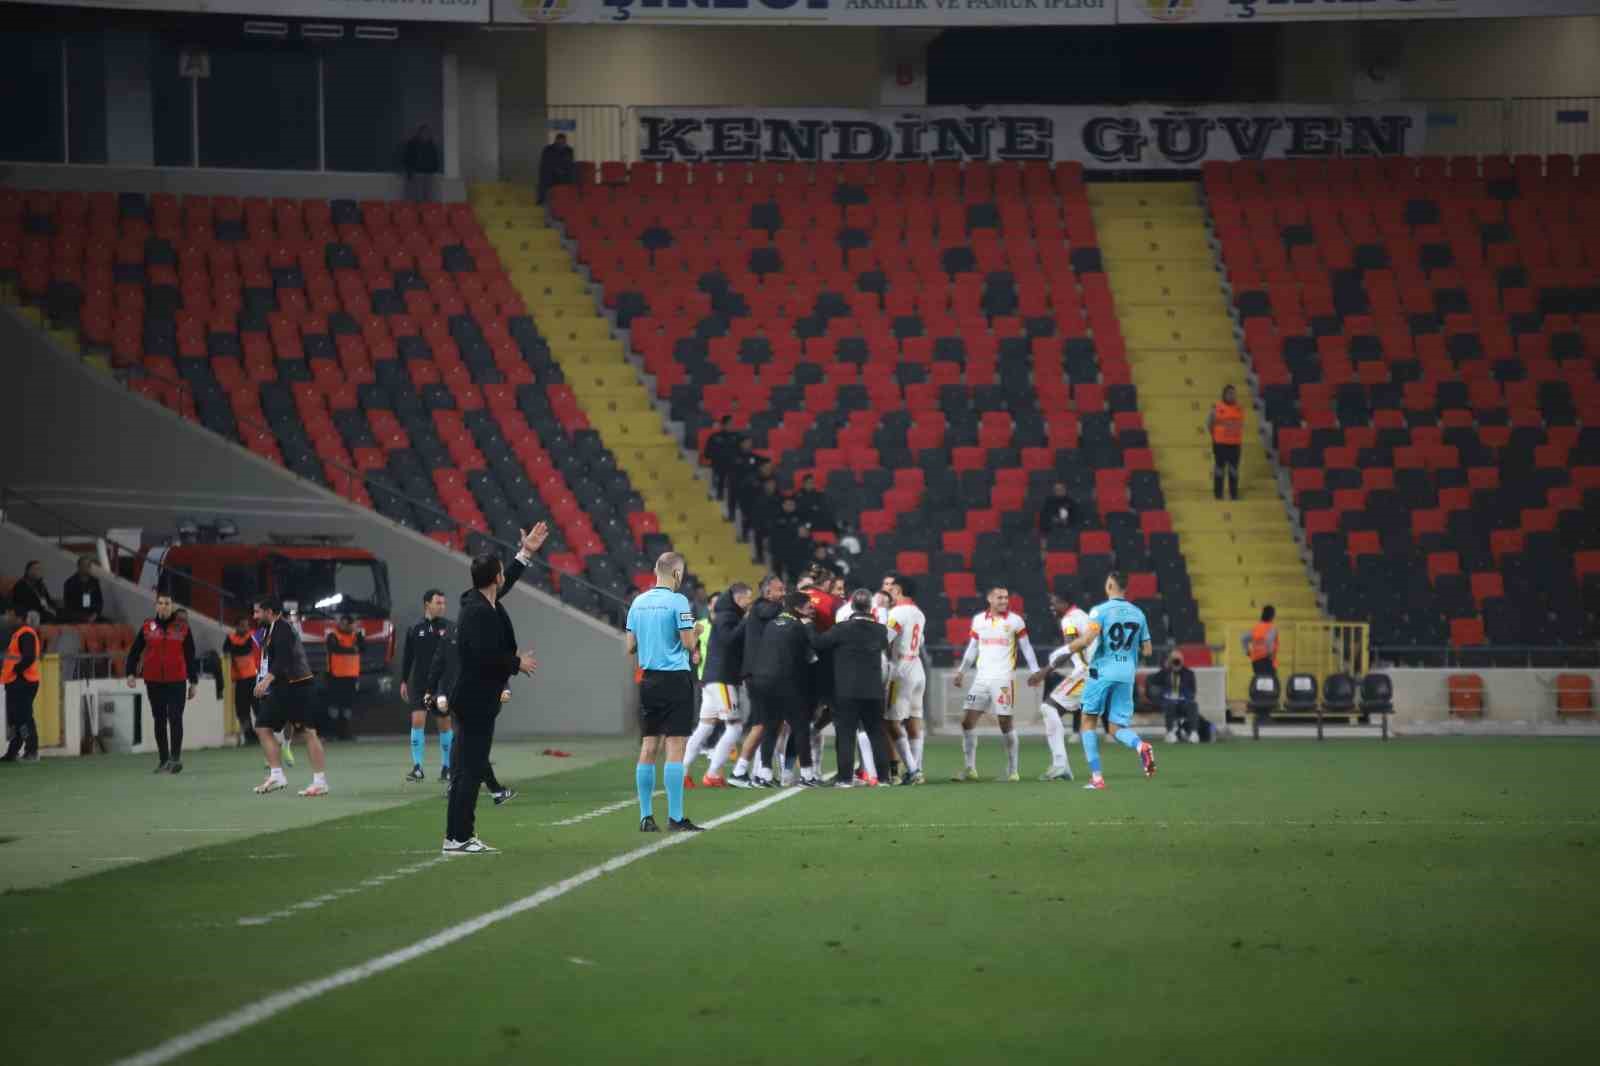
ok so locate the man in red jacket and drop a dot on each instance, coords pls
(163, 654)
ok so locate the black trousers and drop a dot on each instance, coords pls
(1225, 460)
(780, 702)
(19, 716)
(167, 699)
(474, 738)
(1181, 714)
(244, 701)
(849, 716)
(1263, 667)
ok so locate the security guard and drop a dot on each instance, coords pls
(163, 654)
(20, 676)
(1261, 644)
(244, 659)
(1226, 423)
(345, 645)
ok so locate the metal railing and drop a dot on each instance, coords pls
(38, 518)
(1535, 125)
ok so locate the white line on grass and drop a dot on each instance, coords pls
(598, 811)
(328, 897)
(1135, 823)
(242, 1019)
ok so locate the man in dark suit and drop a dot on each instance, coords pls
(762, 612)
(858, 644)
(487, 658)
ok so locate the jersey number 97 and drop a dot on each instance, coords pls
(1122, 636)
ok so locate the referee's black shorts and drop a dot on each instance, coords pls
(666, 703)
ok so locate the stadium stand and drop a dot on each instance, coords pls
(337, 337)
(937, 344)
(1182, 350)
(1425, 336)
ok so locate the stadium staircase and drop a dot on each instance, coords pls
(937, 345)
(1182, 351)
(1425, 336)
(607, 386)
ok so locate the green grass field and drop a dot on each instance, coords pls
(1417, 902)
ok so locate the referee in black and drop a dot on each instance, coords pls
(661, 637)
(487, 658)
(858, 644)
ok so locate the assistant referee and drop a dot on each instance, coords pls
(661, 635)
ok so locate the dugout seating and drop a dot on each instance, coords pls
(331, 337)
(1426, 338)
(937, 344)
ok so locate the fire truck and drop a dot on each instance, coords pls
(318, 578)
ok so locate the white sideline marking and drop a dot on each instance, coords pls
(316, 901)
(242, 1019)
(1131, 823)
(598, 811)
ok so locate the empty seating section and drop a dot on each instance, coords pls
(332, 337)
(937, 344)
(1426, 338)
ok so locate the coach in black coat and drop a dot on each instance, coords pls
(858, 644)
(486, 658)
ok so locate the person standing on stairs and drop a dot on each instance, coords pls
(1261, 644)
(1226, 424)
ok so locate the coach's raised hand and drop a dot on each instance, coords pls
(533, 539)
(526, 663)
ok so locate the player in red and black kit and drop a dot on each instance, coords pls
(163, 654)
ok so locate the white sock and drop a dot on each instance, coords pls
(277, 774)
(319, 779)
(808, 773)
(916, 750)
(864, 746)
(701, 734)
(725, 746)
(816, 749)
(969, 748)
(781, 748)
(1055, 736)
(741, 767)
(902, 748)
(1013, 745)
(759, 761)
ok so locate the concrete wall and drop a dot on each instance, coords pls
(216, 182)
(1515, 702)
(503, 79)
(1442, 58)
(747, 66)
(104, 457)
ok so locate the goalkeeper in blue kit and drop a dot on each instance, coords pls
(1123, 638)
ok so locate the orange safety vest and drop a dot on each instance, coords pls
(343, 658)
(1227, 423)
(245, 663)
(1259, 648)
(8, 673)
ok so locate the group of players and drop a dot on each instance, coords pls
(746, 703)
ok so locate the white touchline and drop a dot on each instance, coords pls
(316, 901)
(598, 811)
(242, 1019)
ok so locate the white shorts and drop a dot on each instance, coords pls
(1069, 694)
(723, 702)
(997, 696)
(906, 684)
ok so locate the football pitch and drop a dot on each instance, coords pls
(1417, 902)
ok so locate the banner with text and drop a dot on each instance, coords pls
(812, 12)
(1124, 138)
(1177, 12)
(385, 10)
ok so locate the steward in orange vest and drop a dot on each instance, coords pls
(1226, 423)
(20, 676)
(344, 645)
(1261, 644)
(244, 660)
